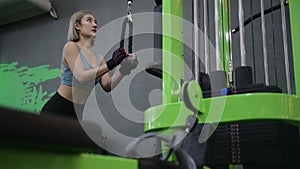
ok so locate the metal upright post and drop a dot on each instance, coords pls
(264, 38)
(242, 33)
(196, 40)
(243, 73)
(217, 76)
(217, 36)
(206, 50)
(285, 47)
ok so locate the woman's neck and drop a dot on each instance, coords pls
(85, 42)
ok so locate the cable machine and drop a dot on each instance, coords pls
(252, 124)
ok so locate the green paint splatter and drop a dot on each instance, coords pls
(21, 87)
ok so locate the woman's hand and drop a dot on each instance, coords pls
(118, 56)
(128, 64)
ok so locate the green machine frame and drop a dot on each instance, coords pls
(35, 159)
(251, 106)
(172, 114)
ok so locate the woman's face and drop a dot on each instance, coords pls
(88, 26)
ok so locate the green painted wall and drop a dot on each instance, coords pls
(22, 86)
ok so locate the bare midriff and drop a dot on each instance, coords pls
(73, 94)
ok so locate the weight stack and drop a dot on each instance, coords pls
(265, 144)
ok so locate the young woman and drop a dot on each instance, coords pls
(82, 69)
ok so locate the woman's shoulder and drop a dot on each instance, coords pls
(70, 48)
(70, 44)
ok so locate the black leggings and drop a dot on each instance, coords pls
(59, 106)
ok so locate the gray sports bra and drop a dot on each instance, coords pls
(68, 79)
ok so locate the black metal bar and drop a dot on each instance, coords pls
(257, 15)
(44, 132)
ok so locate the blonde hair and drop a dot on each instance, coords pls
(73, 34)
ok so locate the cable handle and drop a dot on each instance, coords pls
(127, 21)
(129, 3)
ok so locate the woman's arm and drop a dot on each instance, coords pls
(71, 57)
(107, 82)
